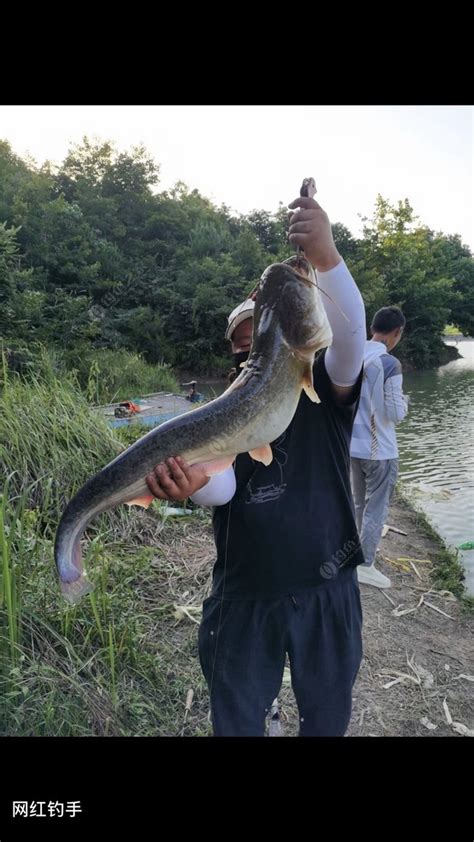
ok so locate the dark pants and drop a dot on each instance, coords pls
(243, 646)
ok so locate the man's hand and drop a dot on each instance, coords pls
(310, 228)
(176, 480)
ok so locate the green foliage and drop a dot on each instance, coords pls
(107, 376)
(46, 427)
(94, 259)
(401, 262)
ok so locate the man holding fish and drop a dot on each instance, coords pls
(274, 464)
(285, 579)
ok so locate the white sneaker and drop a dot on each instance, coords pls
(372, 576)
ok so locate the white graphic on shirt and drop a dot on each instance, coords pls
(274, 471)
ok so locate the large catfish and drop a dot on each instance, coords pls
(290, 325)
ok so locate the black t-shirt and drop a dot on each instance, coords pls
(290, 525)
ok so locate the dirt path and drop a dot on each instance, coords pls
(418, 667)
(413, 662)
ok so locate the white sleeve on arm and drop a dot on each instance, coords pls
(396, 406)
(218, 491)
(345, 356)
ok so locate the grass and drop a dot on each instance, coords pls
(108, 376)
(103, 375)
(448, 573)
(108, 665)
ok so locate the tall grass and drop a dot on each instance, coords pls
(94, 668)
(8, 590)
(50, 441)
(108, 376)
(103, 375)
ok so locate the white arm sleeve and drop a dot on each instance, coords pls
(345, 356)
(218, 491)
(396, 406)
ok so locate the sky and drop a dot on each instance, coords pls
(253, 157)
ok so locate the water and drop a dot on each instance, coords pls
(436, 442)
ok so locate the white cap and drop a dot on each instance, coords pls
(242, 312)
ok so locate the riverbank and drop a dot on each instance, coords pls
(418, 664)
(417, 639)
(448, 353)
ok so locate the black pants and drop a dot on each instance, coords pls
(243, 646)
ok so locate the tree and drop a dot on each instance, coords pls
(402, 257)
(14, 287)
(455, 261)
(93, 257)
(344, 241)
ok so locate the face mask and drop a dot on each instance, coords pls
(240, 357)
